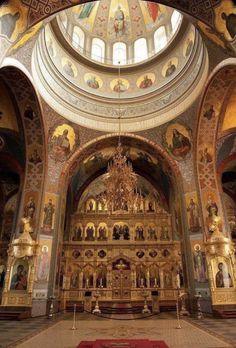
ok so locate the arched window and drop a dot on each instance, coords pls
(140, 50)
(64, 19)
(160, 38)
(119, 53)
(175, 20)
(78, 38)
(98, 50)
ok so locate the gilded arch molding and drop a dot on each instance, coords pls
(205, 12)
(211, 110)
(31, 116)
(86, 150)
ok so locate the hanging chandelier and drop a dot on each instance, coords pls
(120, 180)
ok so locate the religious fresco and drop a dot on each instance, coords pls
(29, 204)
(8, 218)
(222, 272)
(34, 156)
(8, 118)
(102, 231)
(225, 19)
(119, 21)
(188, 45)
(170, 67)
(199, 261)
(119, 85)
(211, 34)
(13, 21)
(93, 81)
(210, 209)
(146, 81)
(193, 212)
(227, 148)
(62, 142)
(19, 275)
(90, 232)
(69, 68)
(148, 192)
(177, 140)
(152, 13)
(43, 261)
(85, 14)
(229, 120)
(51, 48)
(29, 34)
(150, 164)
(48, 217)
(76, 233)
(206, 154)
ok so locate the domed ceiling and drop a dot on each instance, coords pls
(90, 92)
(120, 23)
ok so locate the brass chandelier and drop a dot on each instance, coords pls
(120, 180)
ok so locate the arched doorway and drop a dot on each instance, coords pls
(123, 252)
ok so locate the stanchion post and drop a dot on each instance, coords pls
(177, 312)
(73, 326)
(96, 309)
(199, 310)
(51, 308)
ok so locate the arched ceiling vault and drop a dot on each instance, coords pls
(148, 161)
(208, 13)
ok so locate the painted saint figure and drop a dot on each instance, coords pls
(170, 69)
(61, 143)
(194, 222)
(188, 47)
(30, 208)
(146, 82)
(74, 280)
(180, 144)
(209, 113)
(119, 86)
(86, 10)
(206, 157)
(49, 210)
(19, 279)
(92, 82)
(35, 158)
(119, 21)
(68, 69)
(223, 278)
(8, 23)
(211, 207)
(230, 23)
(43, 268)
(199, 264)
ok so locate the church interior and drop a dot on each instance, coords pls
(118, 173)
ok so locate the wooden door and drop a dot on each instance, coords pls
(121, 284)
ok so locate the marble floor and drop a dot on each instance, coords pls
(59, 334)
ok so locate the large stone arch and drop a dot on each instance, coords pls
(211, 110)
(205, 12)
(86, 150)
(33, 129)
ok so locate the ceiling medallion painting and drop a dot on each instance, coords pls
(122, 23)
(62, 142)
(177, 140)
(75, 44)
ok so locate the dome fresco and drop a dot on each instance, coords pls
(88, 92)
(117, 29)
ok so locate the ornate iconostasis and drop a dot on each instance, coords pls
(121, 252)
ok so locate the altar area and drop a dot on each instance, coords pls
(124, 256)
